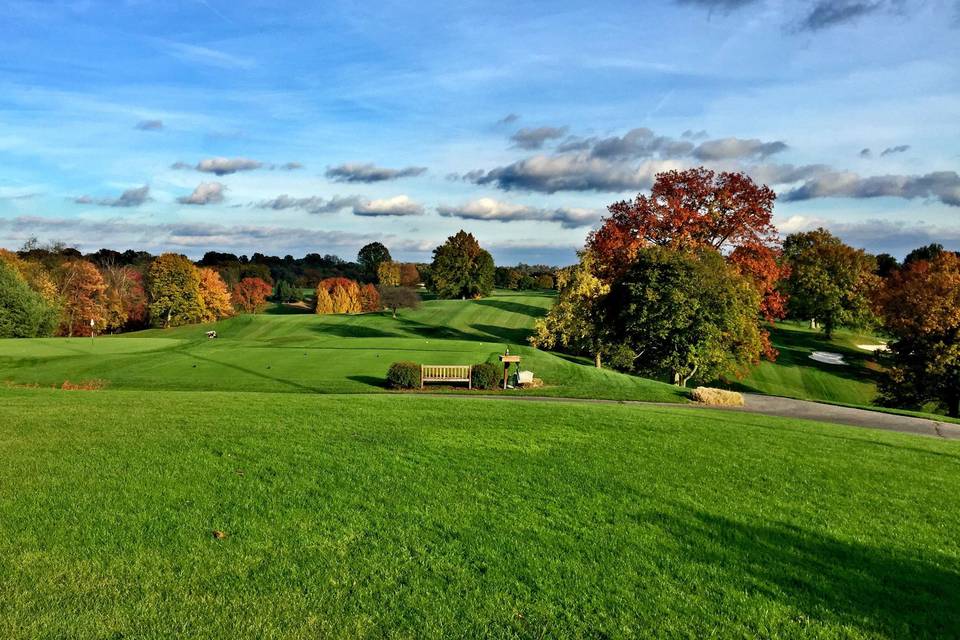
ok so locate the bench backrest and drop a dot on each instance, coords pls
(452, 372)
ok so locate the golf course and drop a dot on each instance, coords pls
(267, 484)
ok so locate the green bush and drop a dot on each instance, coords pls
(485, 376)
(403, 375)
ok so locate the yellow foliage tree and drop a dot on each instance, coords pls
(324, 301)
(388, 274)
(214, 296)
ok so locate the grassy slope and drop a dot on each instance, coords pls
(404, 516)
(795, 375)
(308, 353)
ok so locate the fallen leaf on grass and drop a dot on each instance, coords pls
(219, 535)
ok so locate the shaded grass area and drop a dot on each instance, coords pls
(295, 352)
(351, 516)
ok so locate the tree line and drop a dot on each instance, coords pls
(685, 282)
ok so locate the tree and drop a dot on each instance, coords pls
(461, 268)
(370, 256)
(82, 290)
(694, 209)
(395, 298)
(324, 302)
(125, 298)
(174, 287)
(544, 281)
(573, 323)
(216, 297)
(688, 313)
(23, 312)
(286, 291)
(388, 274)
(369, 298)
(36, 276)
(347, 300)
(830, 282)
(925, 253)
(250, 295)
(409, 275)
(920, 307)
(886, 265)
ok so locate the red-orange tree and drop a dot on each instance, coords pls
(250, 295)
(694, 209)
(369, 298)
(920, 307)
(82, 289)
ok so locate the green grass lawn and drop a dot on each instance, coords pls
(403, 516)
(795, 375)
(297, 352)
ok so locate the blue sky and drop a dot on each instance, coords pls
(283, 127)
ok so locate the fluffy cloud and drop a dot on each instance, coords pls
(571, 172)
(353, 172)
(636, 143)
(311, 204)
(205, 193)
(785, 173)
(941, 185)
(736, 148)
(129, 198)
(490, 209)
(149, 125)
(225, 166)
(535, 138)
(395, 206)
(900, 148)
(879, 236)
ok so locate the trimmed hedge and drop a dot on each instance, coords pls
(485, 376)
(403, 375)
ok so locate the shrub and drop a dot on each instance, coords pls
(403, 375)
(717, 397)
(485, 376)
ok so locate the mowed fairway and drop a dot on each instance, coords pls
(401, 516)
(319, 354)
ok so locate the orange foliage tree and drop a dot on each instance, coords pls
(82, 289)
(369, 298)
(409, 275)
(125, 298)
(250, 295)
(694, 209)
(920, 307)
(344, 294)
(215, 296)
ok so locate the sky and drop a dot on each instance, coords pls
(296, 127)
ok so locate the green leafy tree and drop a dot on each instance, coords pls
(23, 312)
(286, 291)
(461, 268)
(370, 256)
(174, 287)
(920, 307)
(689, 314)
(830, 283)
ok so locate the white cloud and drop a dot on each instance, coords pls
(205, 193)
(395, 206)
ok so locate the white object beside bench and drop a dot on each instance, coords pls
(445, 373)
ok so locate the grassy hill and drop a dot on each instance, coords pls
(298, 352)
(403, 516)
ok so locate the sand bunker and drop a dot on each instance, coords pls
(873, 347)
(827, 357)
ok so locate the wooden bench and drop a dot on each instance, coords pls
(445, 373)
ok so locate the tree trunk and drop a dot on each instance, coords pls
(596, 360)
(692, 373)
(167, 323)
(953, 406)
(394, 312)
(813, 323)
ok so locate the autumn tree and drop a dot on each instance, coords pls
(686, 313)
(694, 209)
(830, 283)
(396, 298)
(82, 292)
(173, 284)
(371, 256)
(125, 298)
(461, 268)
(409, 275)
(250, 295)
(369, 299)
(920, 308)
(346, 300)
(324, 302)
(216, 297)
(544, 281)
(36, 275)
(388, 274)
(573, 323)
(23, 312)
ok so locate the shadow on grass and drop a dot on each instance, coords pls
(512, 307)
(371, 381)
(513, 336)
(287, 309)
(259, 374)
(880, 591)
(347, 330)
